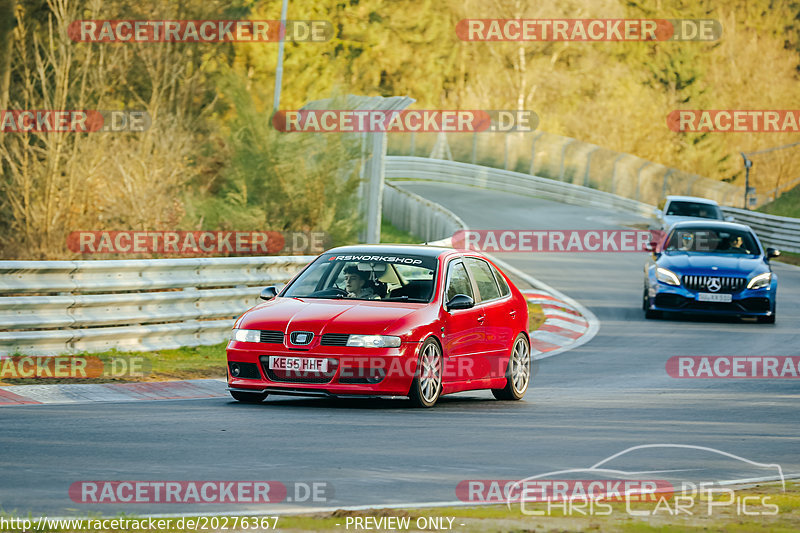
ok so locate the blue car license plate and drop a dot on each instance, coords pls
(712, 297)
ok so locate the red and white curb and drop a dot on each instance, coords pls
(112, 392)
(563, 324)
(567, 325)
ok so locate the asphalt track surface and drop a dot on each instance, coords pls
(584, 406)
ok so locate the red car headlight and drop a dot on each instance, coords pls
(373, 341)
(246, 335)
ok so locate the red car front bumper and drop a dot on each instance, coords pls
(351, 371)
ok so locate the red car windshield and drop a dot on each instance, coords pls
(367, 276)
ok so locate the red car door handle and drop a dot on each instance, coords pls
(480, 318)
(512, 313)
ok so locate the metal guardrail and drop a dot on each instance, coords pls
(569, 160)
(778, 232)
(422, 218)
(54, 307)
(422, 168)
(58, 307)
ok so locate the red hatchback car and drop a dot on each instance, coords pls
(385, 320)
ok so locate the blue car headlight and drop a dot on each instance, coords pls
(760, 281)
(667, 276)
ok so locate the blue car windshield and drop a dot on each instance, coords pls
(367, 276)
(712, 241)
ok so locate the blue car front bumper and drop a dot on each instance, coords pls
(747, 302)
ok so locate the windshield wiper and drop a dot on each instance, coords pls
(406, 298)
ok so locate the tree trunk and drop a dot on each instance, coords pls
(7, 23)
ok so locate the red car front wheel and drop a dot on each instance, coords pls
(427, 385)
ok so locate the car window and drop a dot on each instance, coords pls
(309, 280)
(410, 273)
(482, 272)
(501, 281)
(366, 276)
(458, 281)
(706, 240)
(694, 209)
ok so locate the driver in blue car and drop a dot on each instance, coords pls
(357, 284)
(737, 245)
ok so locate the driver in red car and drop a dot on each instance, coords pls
(356, 283)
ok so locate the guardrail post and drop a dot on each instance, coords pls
(732, 193)
(614, 174)
(689, 185)
(474, 157)
(533, 151)
(639, 178)
(441, 148)
(563, 155)
(588, 165)
(361, 193)
(375, 174)
(664, 183)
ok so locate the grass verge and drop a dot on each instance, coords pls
(199, 362)
(536, 316)
(786, 205)
(789, 258)
(771, 510)
(390, 234)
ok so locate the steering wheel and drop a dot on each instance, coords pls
(333, 292)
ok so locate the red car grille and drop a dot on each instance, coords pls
(294, 376)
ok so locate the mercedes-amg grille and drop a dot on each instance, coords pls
(714, 283)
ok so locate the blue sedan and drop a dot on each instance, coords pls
(711, 267)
